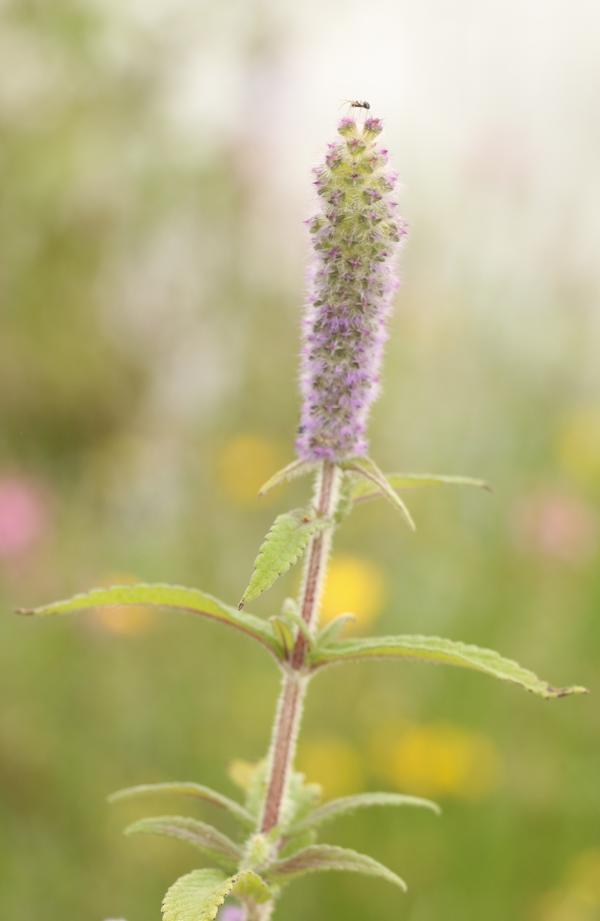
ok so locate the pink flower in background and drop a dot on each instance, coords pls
(232, 913)
(556, 525)
(23, 516)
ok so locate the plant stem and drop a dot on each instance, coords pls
(295, 680)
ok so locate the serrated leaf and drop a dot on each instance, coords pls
(436, 650)
(283, 546)
(210, 841)
(366, 468)
(348, 804)
(321, 857)
(363, 490)
(198, 895)
(176, 597)
(296, 469)
(195, 790)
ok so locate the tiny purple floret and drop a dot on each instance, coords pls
(232, 913)
(351, 282)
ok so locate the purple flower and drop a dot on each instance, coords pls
(351, 282)
(232, 913)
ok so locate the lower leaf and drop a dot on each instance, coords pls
(203, 837)
(436, 650)
(321, 857)
(198, 895)
(194, 790)
(176, 597)
(348, 804)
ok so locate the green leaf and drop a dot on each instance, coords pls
(320, 857)
(186, 789)
(366, 468)
(294, 619)
(435, 650)
(347, 804)
(284, 632)
(282, 547)
(198, 895)
(363, 490)
(203, 837)
(345, 501)
(331, 630)
(301, 798)
(292, 843)
(189, 600)
(296, 469)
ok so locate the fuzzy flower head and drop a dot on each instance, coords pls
(355, 238)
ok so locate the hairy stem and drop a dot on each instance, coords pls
(295, 681)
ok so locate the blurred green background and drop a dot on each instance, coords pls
(155, 165)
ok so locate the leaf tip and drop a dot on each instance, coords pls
(556, 693)
(23, 612)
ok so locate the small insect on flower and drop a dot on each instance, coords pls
(357, 104)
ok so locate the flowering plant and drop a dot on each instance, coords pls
(355, 236)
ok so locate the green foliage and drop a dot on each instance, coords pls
(175, 597)
(363, 490)
(283, 546)
(195, 790)
(296, 469)
(198, 895)
(348, 804)
(367, 469)
(203, 837)
(435, 650)
(321, 857)
(331, 630)
(302, 797)
(292, 843)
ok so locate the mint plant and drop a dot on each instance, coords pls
(355, 235)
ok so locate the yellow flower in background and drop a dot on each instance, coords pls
(437, 759)
(334, 764)
(578, 899)
(124, 619)
(583, 876)
(353, 586)
(578, 444)
(242, 772)
(246, 462)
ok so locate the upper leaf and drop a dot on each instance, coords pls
(282, 547)
(203, 837)
(437, 651)
(366, 468)
(296, 469)
(363, 490)
(195, 790)
(320, 857)
(189, 600)
(198, 895)
(347, 804)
